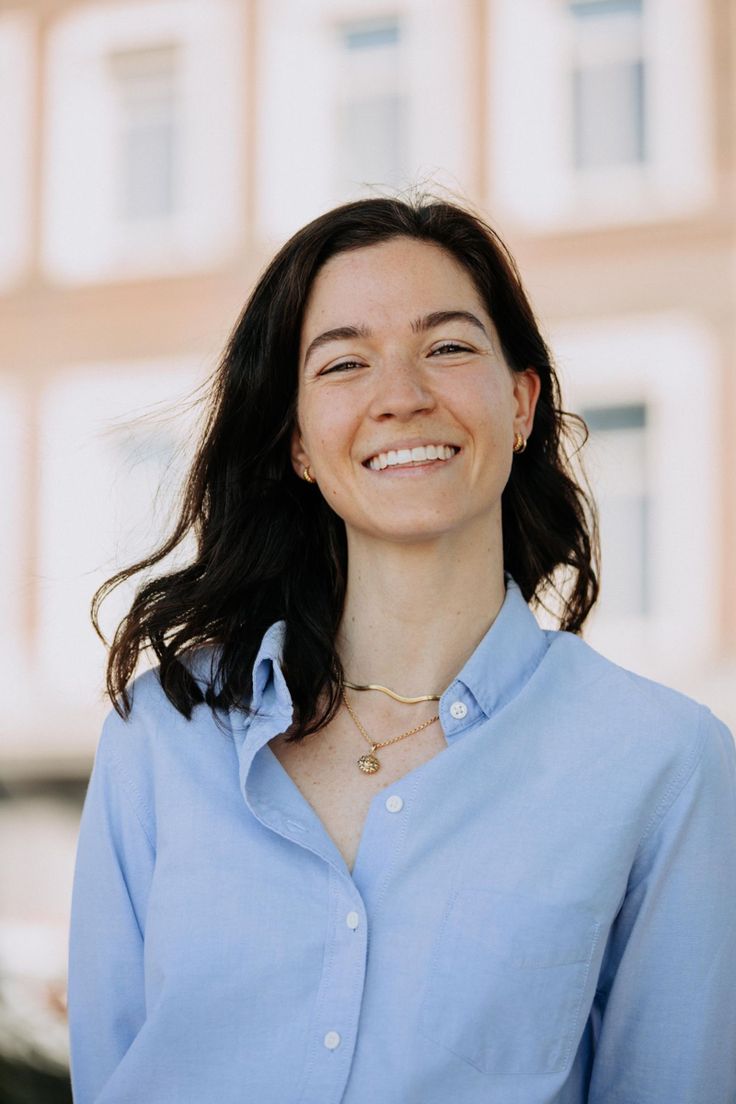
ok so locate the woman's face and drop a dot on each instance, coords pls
(406, 408)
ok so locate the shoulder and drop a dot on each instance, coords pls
(593, 675)
(635, 735)
(625, 705)
(141, 749)
(150, 706)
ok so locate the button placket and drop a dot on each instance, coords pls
(340, 995)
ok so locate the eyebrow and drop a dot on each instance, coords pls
(419, 325)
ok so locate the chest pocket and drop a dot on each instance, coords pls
(507, 981)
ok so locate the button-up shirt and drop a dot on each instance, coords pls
(542, 913)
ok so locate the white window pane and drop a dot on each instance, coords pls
(585, 9)
(372, 139)
(368, 36)
(111, 462)
(17, 128)
(14, 458)
(147, 183)
(608, 83)
(625, 541)
(608, 105)
(371, 110)
(148, 108)
(618, 452)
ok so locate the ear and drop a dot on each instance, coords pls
(299, 455)
(527, 386)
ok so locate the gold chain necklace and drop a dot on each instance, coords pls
(369, 762)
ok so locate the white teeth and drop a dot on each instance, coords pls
(417, 455)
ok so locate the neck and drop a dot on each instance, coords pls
(415, 613)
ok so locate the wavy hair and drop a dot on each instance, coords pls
(267, 547)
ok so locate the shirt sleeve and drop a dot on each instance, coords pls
(664, 1015)
(112, 877)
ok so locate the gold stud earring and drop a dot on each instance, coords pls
(519, 442)
(307, 476)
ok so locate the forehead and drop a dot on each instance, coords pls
(388, 279)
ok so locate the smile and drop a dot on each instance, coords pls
(420, 454)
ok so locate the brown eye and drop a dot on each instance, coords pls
(344, 364)
(450, 347)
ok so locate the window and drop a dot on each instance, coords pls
(608, 84)
(116, 434)
(17, 125)
(618, 451)
(372, 137)
(144, 137)
(14, 508)
(148, 131)
(601, 112)
(647, 384)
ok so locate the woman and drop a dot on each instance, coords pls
(368, 833)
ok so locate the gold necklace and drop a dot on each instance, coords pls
(369, 763)
(392, 693)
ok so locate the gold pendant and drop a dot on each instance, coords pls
(368, 763)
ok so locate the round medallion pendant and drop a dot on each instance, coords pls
(368, 763)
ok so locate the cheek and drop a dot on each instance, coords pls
(328, 431)
(487, 410)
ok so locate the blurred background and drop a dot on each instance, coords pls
(155, 153)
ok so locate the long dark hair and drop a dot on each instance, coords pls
(269, 548)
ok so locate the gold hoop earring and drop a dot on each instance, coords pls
(307, 476)
(519, 442)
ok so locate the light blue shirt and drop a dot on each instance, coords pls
(543, 913)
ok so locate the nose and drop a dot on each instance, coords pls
(401, 391)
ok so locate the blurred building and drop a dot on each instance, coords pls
(156, 152)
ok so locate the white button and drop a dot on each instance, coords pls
(332, 1040)
(394, 803)
(458, 710)
(352, 919)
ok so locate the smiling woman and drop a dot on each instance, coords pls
(375, 394)
(364, 805)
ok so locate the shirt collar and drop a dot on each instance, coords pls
(505, 658)
(501, 664)
(267, 673)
